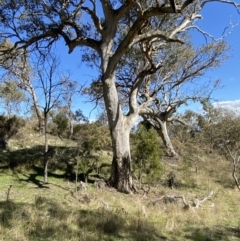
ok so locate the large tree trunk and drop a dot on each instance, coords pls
(121, 173)
(120, 126)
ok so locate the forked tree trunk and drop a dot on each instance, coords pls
(119, 126)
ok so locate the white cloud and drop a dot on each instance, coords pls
(232, 105)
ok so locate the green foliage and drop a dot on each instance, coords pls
(79, 116)
(61, 122)
(188, 132)
(86, 160)
(94, 135)
(219, 127)
(11, 96)
(10, 126)
(147, 154)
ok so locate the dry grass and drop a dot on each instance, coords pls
(53, 213)
(34, 211)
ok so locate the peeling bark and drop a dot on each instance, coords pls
(121, 173)
(119, 126)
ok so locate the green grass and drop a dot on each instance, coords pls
(52, 212)
(31, 210)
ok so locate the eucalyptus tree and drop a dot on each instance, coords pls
(178, 83)
(11, 96)
(71, 88)
(17, 66)
(95, 26)
(175, 84)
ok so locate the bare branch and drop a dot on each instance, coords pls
(121, 11)
(93, 14)
(222, 1)
(155, 34)
(173, 199)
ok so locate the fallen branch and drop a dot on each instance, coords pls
(83, 185)
(105, 205)
(197, 202)
(173, 199)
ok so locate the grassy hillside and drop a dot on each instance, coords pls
(62, 210)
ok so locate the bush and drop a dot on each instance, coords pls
(61, 122)
(10, 126)
(93, 135)
(147, 154)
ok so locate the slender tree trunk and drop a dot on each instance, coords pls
(140, 174)
(70, 126)
(41, 121)
(45, 166)
(162, 131)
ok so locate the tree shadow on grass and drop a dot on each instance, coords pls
(29, 157)
(33, 178)
(61, 159)
(216, 233)
(32, 159)
(52, 220)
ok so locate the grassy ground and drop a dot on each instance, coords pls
(31, 210)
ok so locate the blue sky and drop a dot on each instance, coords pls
(216, 18)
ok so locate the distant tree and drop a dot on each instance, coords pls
(208, 124)
(80, 117)
(222, 127)
(51, 86)
(186, 128)
(61, 122)
(11, 96)
(102, 118)
(71, 88)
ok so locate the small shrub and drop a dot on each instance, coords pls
(10, 126)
